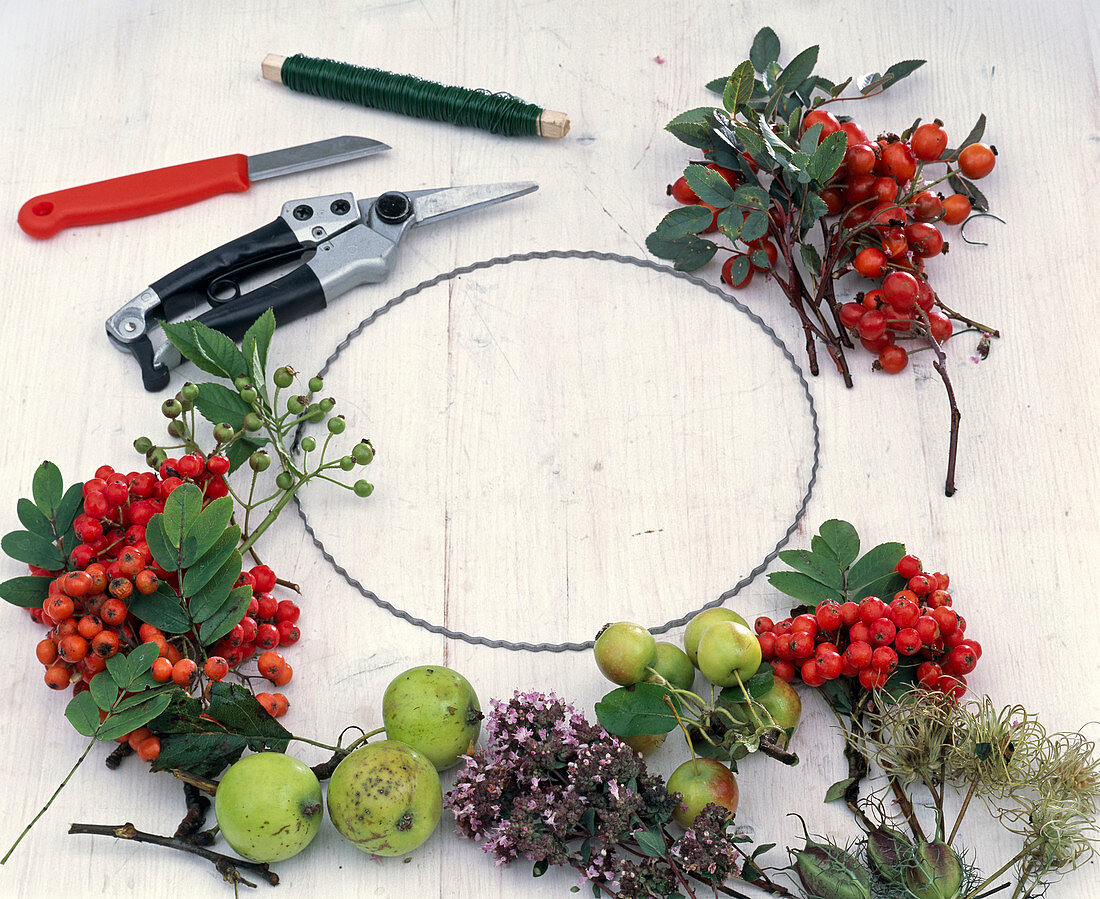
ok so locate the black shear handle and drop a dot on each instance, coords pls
(189, 285)
(290, 297)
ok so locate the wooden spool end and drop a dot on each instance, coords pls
(553, 124)
(272, 67)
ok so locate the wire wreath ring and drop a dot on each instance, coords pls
(493, 643)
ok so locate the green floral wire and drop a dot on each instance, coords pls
(499, 113)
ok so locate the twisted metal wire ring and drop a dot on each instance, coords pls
(474, 639)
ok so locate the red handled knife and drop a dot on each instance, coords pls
(145, 193)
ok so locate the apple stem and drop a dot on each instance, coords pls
(227, 866)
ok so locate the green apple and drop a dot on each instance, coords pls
(385, 797)
(645, 744)
(699, 624)
(700, 781)
(782, 702)
(268, 806)
(674, 666)
(624, 651)
(728, 652)
(434, 710)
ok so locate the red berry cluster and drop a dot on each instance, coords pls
(867, 640)
(87, 608)
(892, 215)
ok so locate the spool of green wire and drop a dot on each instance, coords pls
(500, 113)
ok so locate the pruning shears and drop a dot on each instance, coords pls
(339, 242)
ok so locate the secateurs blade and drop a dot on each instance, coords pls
(339, 243)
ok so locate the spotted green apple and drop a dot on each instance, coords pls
(434, 710)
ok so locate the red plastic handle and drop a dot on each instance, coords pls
(133, 196)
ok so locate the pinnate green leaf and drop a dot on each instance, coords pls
(104, 690)
(255, 344)
(738, 90)
(751, 196)
(755, 226)
(842, 540)
(28, 591)
(166, 555)
(874, 570)
(683, 221)
(207, 599)
(23, 546)
(207, 529)
(222, 620)
(691, 127)
(47, 488)
(137, 715)
(162, 609)
(83, 714)
(823, 569)
(217, 403)
(650, 843)
(901, 70)
(828, 156)
(32, 518)
(211, 561)
(802, 587)
(709, 186)
(181, 511)
(730, 221)
(837, 790)
(765, 49)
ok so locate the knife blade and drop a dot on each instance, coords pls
(158, 190)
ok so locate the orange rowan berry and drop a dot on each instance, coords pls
(130, 562)
(216, 668)
(121, 587)
(149, 749)
(184, 672)
(174, 654)
(268, 702)
(94, 663)
(57, 676)
(76, 584)
(283, 679)
(146, 632)
(72, 648)
(89, 626)
(271, 665)
(66, 627)
(105, 644)
(98, 573)
(136, 737)
(162, 670)
(146, 581)
(46, 650)
(58, 606)
(281, 704)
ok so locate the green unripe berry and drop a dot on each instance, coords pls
(249, 395)
(155, 457)
(284, 481)
(189, 392)
(259, 461)
(171, 408)
(363, 488)
(186, 405)
(315, 414)
(283, 377)
(336, 425)
(363, 452)
(308, 444)
(252, 422)
(296, 404)
(223, 432)
(176, 429)
(327, 404)
(347, 463)
(242, 381)
(143, 444)
(316, 385)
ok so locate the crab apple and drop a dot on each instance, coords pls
(700, 782)
(268, 806)
(729, 653)
(674, 665)
(624, 651)
(385, 798)
(434, 710)
(699, 624)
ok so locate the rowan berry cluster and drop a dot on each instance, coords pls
(869, 639)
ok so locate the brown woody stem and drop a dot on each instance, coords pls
(226, 866)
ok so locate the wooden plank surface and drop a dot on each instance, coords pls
(560, 443)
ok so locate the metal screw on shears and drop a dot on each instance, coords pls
(303, 212)
(393, 207)
(340, 207)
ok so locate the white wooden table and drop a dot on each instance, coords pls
(559, 444)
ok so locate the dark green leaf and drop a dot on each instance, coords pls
(738, 89)
(802, 587)
(709, 186)
(842, 540)
(761, 849)
(134, 717)
(811, 257)
(212, 560)
(798, 70)
(730, 220)
(650, 843)
(876, 567)
(23, 546)
(836, 791)
(901, 70)
(254, 346)
(751, 196)
(28, 591)
(640, 709)
(83, 714)
(161, 609)
(761, 260)
(755, 227)
(237, 709)
(104, 690)
(739, 269)
(717, 85)
(750, 872)
(813, 209)
(163, 552)
(755, 146)
(181, 512)
(47, 488)
(765, 49)
(72, 503)
(217, 403)
(181, 336)
(31, 517)
(209, 598)
(219, 351)
(823, 569)
(867, 83)
(540, 867)
(970, 190)
(211, 524)
(908, 132)
(691, 127)
(684, 221)
(761, 682)
(811, 138)
(837, 89)
(975, 134)
(694, 253)
(222, 620)
(828, 156)
(838, 694)
(138, 662)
